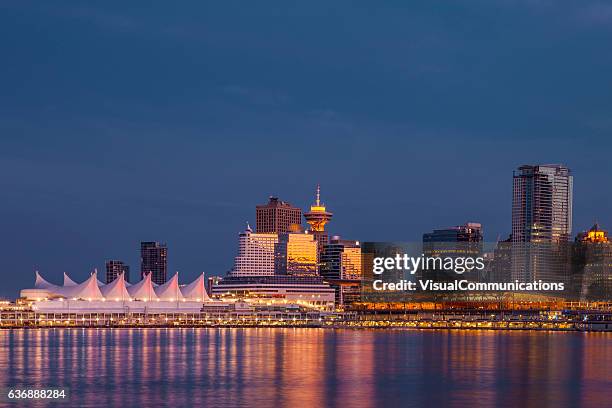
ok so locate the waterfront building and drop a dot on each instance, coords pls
(591, 276)
(317, 218)
(501, 267)
(458, 241)
(68, 281)
(114, 268)
(541, 222)
(154, 261)
(341, 267)
(256, 254)
(117, 297)
(307, 291)
(277, 217)
(296, 254)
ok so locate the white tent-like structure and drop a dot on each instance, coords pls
(41, 283)
(170, 290)
(116, 290)
(68, 281)
(143, 290)
(196, 290)
(117, 297)
(87, 290)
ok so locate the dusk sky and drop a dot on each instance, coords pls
(170, 122)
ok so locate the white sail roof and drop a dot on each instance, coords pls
(68, 281)
(143, 290)
(196, 290)
(87, 290)
(116, 290)
(41, 283)
(169, 290)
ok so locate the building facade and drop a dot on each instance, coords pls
(541, 221)
(341, 267)
(277, 217)
(154, 260)
(114, 268)
(592, 266)
(296, 254)
(459, 241)
(256, 254)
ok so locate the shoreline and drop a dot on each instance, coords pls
(558, 328)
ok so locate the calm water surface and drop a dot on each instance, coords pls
(310, 367)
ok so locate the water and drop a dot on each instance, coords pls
(310, 367)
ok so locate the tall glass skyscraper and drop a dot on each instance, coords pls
(541, 221)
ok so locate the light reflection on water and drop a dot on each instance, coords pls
(310, 367)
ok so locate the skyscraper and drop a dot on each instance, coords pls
(541, 221)
(114, 268)
(592, 265)
(296, 254)
(256, 254)
(154, 260)
(317, 217)
(341, 267)
(277, 217)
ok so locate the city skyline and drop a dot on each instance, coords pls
(305, 222)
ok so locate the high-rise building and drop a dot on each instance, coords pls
(502, 261)
(256, 254)
(592, 265)
(115, 268)
(154, 260)
(541, 221)
(458, 241)
(317, 217)
(277, 217)
(341, 267)
(542, 203)
(296, 254)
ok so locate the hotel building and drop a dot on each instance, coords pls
(276, 268)
(256, 254)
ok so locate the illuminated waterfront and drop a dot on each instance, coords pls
(310, 367)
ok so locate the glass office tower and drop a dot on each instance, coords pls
(541, 222)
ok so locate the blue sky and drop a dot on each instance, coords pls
(121, 123)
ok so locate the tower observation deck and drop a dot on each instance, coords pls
(317, 217)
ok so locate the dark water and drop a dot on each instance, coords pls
(310, 367)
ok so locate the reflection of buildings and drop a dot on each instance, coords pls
(317, 217)
(454, 242)
(154, 261)
(341, 267)
(592, 265)
(115, 268)
(541, 221)
(277, 217)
